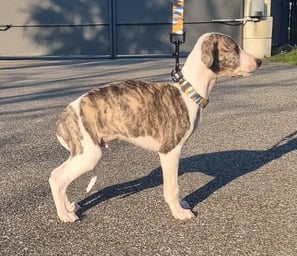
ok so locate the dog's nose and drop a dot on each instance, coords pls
(259, 62)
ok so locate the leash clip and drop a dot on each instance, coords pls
(177, 39)
(177, 76)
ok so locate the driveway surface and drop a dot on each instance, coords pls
(238, 171)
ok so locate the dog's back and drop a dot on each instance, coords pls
(126, 109)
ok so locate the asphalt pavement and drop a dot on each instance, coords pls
(238, 171)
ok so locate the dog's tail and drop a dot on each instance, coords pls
(91, 183)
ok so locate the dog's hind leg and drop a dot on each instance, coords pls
(169, 164)
(66, 173)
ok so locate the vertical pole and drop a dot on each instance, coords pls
(112, 28)
(290, 20)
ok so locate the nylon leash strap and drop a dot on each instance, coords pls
(177, 36)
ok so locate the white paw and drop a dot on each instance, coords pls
(68, 217)
(183, 214)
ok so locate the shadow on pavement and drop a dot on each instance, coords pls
(224, 167)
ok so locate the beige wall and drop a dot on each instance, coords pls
(18, 41)
(257, 36)
(14, 41)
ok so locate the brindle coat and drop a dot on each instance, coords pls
(136, 109)
(156, 116)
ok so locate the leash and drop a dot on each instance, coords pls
(178, 35)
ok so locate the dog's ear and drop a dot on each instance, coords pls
(210, 54)
(228, 45)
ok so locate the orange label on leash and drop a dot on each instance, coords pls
(178, 16)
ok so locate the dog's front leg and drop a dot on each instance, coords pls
(169, 164)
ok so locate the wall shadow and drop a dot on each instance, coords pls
(122, 28)
(100, 28)
(236, 162)
(60, 27)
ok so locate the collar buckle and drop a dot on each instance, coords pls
(177, 76)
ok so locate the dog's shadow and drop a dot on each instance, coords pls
(224, 167)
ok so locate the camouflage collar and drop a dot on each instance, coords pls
(188, 89)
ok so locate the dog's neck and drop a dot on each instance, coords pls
(202, 83)
(197, 74)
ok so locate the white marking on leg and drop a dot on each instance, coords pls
(169, 164)
(58, 188)
(71, 169)
(67, 173)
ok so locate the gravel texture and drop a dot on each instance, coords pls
(238, 170)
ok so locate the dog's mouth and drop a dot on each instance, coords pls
(241, 74)
(245, 74)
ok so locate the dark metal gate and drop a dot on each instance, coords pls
(107, 28)
(142, 28)
(279, 11)
(284, 14)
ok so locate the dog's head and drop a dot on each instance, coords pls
(223, 56)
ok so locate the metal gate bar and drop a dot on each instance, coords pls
(293, 22)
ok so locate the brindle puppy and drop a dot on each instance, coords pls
(155, 116)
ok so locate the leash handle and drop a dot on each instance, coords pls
(178, 16)
(177, 36)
